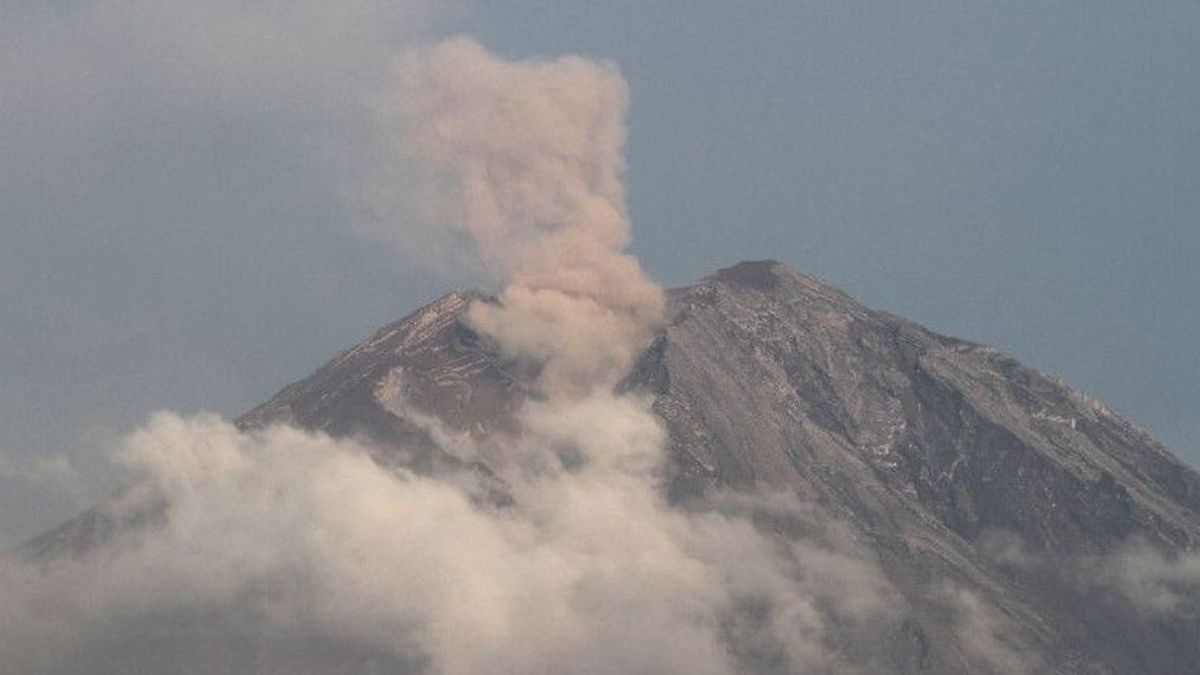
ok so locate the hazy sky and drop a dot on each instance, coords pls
(174, 230)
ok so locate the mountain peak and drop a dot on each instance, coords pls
(952, 463)
(770, 279)
(759, 274)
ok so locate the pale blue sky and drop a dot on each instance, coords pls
(173, 233)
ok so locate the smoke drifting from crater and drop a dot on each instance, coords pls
(285, 551)
(526, 158)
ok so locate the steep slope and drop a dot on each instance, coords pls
(957, 463)
(1022, 524)
(981, 485)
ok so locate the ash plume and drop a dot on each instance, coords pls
(287, 551)
(529, 161)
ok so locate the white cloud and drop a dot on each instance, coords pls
(987, 636)
(1150, 580)
(1008, 549)
(282, 535)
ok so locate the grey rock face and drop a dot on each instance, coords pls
(427, 367)
(954, 461)
(991, 495)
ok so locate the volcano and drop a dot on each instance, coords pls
(1023, 525)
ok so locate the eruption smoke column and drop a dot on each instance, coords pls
(526, 160)
(279, 550)
(530, 157)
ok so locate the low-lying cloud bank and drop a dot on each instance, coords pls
(1151, 581)
(281, 550)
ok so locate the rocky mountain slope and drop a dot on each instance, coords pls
(1025, 527)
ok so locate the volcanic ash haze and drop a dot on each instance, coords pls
(284, 551)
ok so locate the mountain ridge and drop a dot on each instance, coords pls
(987, 492)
